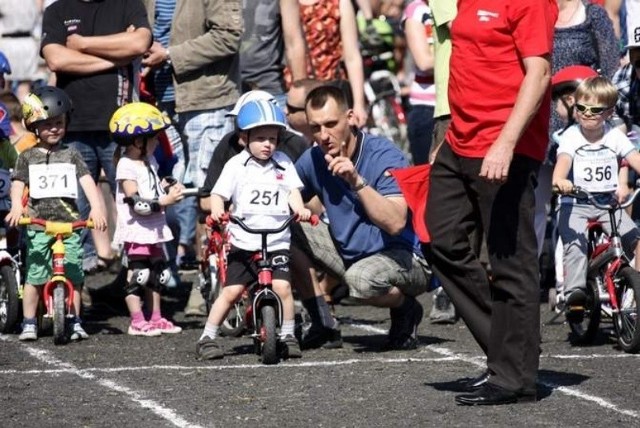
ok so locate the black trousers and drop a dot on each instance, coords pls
(503, 312)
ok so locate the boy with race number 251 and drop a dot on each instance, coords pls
(52, 171)
(589, 156)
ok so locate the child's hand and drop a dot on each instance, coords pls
(217, 215)
(99, 219)
(175, 194)
(623, 192)
(13, 216)
(565, 186)
(304, 214)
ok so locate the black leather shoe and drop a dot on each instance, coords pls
(477, 382)
(492, 395)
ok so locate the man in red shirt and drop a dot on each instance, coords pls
(486, 174)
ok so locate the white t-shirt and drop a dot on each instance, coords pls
(595, 165)
(260, 195)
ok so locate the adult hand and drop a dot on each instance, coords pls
(342, 167)
(361, 115)
(155, 57)
(75, 42)
(495, 165)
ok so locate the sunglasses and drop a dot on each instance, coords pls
(292, 109)
(595, 110)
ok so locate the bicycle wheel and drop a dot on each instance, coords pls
(9, 299)
(268, 334)
(584, 327)
(626, 320)
(59, 314)
(386, 115)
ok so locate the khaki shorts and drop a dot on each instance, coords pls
(371, 276)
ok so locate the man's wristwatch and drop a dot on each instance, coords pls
(359, 186)
(167, 56)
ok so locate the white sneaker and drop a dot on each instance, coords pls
(29, 332)
(78, 332)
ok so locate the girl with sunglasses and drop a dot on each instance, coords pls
(590, 155)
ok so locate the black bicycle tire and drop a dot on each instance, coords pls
(626, 322)
(584, 332)
(10, 296)
(270, 343)
(59, 314)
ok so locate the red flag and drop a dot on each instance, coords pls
(414, 184)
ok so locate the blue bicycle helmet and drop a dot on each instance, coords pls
(5, 67)
(258, 113)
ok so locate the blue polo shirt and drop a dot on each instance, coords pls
(356, 235)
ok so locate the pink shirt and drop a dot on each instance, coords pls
(132, 227)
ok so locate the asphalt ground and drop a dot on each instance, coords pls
(117, 380)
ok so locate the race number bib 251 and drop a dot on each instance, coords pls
(265, 199)
(53, 181)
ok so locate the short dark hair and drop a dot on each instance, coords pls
(318, 97)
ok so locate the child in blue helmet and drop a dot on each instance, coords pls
(257, 170)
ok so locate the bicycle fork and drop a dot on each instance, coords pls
(58, 277)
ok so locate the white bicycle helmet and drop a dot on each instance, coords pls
(260, 113)
(256, 94)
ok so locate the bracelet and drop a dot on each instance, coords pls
(360, 186)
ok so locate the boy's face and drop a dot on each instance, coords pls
(52, 130)
(262, 141)
(592, 114)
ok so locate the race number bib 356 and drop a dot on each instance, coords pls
(53, 181)
(5, 183)
(265, 199)
(596, 170)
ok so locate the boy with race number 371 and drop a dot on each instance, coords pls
(52, 171)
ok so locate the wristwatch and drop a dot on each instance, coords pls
(167, 56)
(363, 183)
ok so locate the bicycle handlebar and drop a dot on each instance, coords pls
(194, 191)
(580, 193)
(239, 221)
(57, 227)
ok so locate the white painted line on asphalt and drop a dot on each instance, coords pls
(46, 357)
(441, 350)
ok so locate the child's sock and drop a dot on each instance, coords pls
(155, 316)
(210, 331)
(287, 328)
(33, 321)
(137, 318)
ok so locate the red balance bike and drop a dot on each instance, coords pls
(264, 313)
(57, 293)
(611, 280)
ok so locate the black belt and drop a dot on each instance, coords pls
(21, 34)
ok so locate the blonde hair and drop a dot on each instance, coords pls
(599, 88)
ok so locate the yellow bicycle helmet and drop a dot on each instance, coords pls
(136, 120)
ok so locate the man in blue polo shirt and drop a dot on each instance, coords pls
(369, 243)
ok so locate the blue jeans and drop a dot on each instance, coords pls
(96, 148)
(419, 132)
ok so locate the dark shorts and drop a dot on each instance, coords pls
(242, 266)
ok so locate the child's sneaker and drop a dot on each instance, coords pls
(143, 329)
(29, 332)
(166, 326)
(78, 333)
(209, 349)
(290, 347)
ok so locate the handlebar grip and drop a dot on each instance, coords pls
(193, 191)
(24, 221)
(314, 220)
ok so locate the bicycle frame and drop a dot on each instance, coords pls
(59, 230)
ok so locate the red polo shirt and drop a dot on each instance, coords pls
(490, 38)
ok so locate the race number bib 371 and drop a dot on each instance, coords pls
(596, 170)
(265, 199)
(53, 181)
